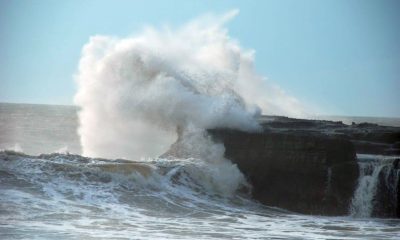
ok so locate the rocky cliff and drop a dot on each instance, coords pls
(303, 172)
(310, 166)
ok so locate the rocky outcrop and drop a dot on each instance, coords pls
(367, 138)
(387, 196)
(310, 166)
(304, 172)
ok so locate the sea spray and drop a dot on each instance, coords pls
(217, 173)
(135, 92)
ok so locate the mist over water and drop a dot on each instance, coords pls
(134, 92)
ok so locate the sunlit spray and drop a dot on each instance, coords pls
(134, 92)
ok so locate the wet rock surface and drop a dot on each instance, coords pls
(309, 166)
(311, 174)
(368, 138)
(387, 197)
(306, 166)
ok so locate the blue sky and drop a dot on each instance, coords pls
(341, 57)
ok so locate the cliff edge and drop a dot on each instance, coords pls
(308, 166)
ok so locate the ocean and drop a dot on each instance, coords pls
(48, 190)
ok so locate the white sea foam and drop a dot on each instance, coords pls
(135, 91)
(71, 197)
(372, 169)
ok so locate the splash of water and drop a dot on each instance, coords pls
(135, 92)
(375, 170)
(362, 203)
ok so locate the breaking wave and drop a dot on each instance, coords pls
(73, 197)
(134, 92)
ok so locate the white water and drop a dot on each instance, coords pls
(134, 92)
(371, 166)
(70, 197)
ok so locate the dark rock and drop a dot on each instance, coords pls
(396, 163)
(368, 138)
(387, 202)
(396, 166)
(308, 166)
(306, 173)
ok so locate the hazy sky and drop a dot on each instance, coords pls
(339, 57)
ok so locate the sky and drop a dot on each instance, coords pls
(339, 57)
